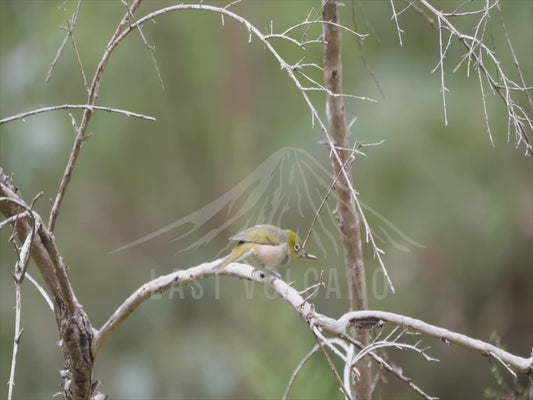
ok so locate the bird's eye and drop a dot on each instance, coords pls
(297, 247)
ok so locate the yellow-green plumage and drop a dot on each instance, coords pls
(266, 246)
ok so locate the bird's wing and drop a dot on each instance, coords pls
(261, 234)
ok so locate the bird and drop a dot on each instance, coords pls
(266, 247)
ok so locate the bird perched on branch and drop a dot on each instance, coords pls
(266, 247)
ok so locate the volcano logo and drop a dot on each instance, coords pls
(291, 182)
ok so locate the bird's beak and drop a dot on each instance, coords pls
(305, 254)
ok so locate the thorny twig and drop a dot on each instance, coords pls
(71, 24)
(151, 49)
(397, 372)
(70, 30)
(477, 54)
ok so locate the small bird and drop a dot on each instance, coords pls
(266, 247)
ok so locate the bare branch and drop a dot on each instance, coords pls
(62, 46)
(340, 325)
(397, 372)
(286, 33)
(74, 107)
(477, 53)
(515, 59)
(337, 327)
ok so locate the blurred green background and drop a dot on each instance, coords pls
(225, 108)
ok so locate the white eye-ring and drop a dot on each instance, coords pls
(297, 247)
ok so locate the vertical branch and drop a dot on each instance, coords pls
(348, 218)
(20, 271)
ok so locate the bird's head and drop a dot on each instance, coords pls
(296, 246)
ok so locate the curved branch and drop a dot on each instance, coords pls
(291, 71)
(306, 310)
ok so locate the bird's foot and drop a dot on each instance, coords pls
(276, 274)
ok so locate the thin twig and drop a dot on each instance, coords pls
(316, 22)
(484, 103)
(70, 30)
(441, 62)
(330, 362)
(62, 46)
(518, 120)
(150, 48)
(362, 55)
(395, 18)
(20, 272)
(349, 160)
(515, 59)
(397, 372)
(400, 346)
(12, 219)
(41, 291)
(313, 288)
(298, 369)
(503, 363)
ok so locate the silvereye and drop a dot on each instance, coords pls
(266, 247)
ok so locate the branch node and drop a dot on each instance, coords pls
(368, 322)
(17, 339)
(445, 341)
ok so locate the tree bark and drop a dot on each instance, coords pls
(347, 215)
(74, 326)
